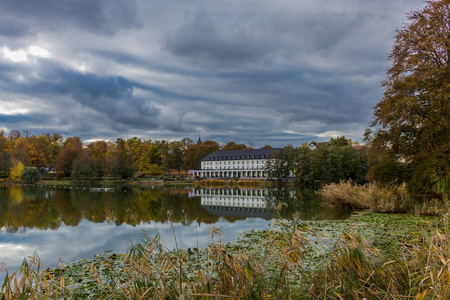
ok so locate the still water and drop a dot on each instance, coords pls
(68, 224)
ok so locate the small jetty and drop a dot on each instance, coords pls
(102, 190)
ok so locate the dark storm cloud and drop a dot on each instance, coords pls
(205, 39)
(105, 17)
(112, 96)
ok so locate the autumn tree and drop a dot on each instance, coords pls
(16, 170)
(14, 135)
(97, 151)
(230, 146)
(411, 122)
(196, 152)
(5, 144)
(20, 151)
(64, 162)
(72, 147)
(150, 158)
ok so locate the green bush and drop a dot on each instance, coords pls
(30, 175)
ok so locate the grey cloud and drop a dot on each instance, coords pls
(106, 17)
(215, 40)
(11, 28)
(111, 96)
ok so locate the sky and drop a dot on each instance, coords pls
(250, 71)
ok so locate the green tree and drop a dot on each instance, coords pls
(284, 164)
(411, 125)
(84, 167)
(5, 164)
(175, 155)
(120, 162)
(30, 175)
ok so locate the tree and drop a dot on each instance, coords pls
(84, 167)
(65, 160)
(196, 152)
(283, 165)
(120, 161)
(175, 155)
(30, 175)
(5, 164)
(97, 151)
(230, 146)
(16, 170)
(411, 125)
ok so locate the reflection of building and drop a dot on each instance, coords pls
(239, 163)
(235, 202)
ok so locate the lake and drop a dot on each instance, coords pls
(71, 223)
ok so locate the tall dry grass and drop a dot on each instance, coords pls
(358, 271)
(393, 199)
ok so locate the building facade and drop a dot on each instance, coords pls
(236, 164)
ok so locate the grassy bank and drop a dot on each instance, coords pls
(373, 256)
(394, 199)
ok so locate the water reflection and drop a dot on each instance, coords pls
(238, 203)
(75, 223)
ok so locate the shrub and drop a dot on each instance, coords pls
(30, 175)
(154, 170)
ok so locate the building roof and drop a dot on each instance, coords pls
(242, 154)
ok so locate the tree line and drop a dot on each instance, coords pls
(120, 158)
(335, 160)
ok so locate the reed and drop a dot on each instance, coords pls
(356, 270)
(391, 199)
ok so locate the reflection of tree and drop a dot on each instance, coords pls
(304, 203)
(69, 215)
(49, 208)
(32, 209)
(232, 219)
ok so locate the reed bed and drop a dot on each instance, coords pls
(356, 270)
(391, 199)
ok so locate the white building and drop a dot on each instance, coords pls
(236, 164)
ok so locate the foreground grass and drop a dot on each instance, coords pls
(400, 257)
